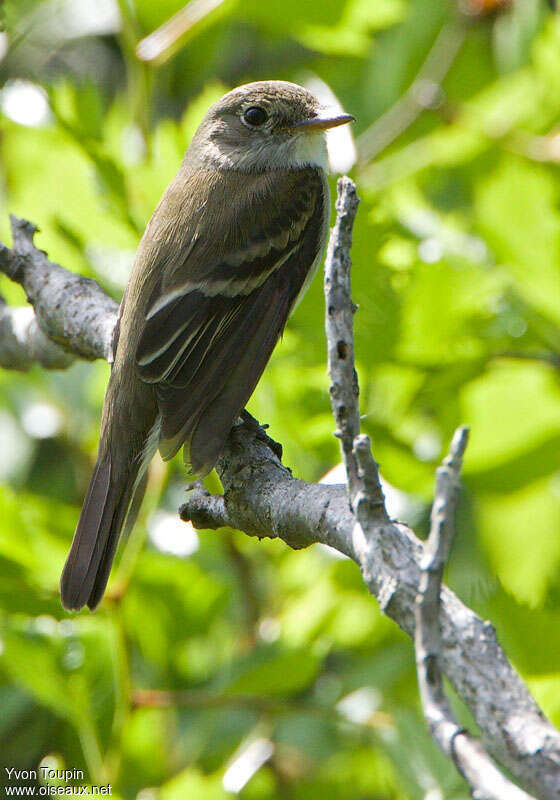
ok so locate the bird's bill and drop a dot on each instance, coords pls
(324, 123)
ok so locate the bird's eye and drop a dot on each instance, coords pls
(255, 116)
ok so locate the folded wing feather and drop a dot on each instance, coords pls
(209, 331)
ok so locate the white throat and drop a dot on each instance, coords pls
(302, 150)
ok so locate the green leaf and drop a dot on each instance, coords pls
(276, 672)
(191, 782)
(444, 306)
(507, 433)
(519, 533)
(522, 630)
(72, 667)
(168, 601)
(147, 745)
(516, 198)
(546, 691)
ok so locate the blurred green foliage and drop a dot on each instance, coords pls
(218, 665)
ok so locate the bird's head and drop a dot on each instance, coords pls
(265, 125)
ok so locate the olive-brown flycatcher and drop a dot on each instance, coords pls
(231, 246)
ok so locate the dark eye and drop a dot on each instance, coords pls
(255, 116)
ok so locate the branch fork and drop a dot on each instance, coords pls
(372, 520)
(75, 318)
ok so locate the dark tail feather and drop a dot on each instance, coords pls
(109, 497)
(122, 527)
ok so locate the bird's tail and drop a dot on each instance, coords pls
(113, 499)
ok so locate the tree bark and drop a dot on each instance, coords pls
(263, 499)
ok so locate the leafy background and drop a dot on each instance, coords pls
(217, 665)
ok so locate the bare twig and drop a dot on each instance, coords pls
(364, 486)
(471, 759)
(340, 330)
(442, 524)
(199, 698)
(160, 45)
(369, 502)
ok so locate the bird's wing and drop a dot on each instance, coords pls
(218, 309)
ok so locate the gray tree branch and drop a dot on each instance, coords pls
(471, 759)
(23, 343)
(339, 326)
(263, 499)
(367, 503)
(71, 310)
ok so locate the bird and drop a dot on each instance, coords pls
(228, 252)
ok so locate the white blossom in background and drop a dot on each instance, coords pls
(248, 760)
(269, 629)
(15, 448)
(41, 420)
(427, 446)
(58, 20)
(340, 141)
(45, 625)
(400, 505)
(358, 706)
(110, 263)
(133, 145)
(25, 103)
(430, 250)
(148, 793)
(170, 535)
